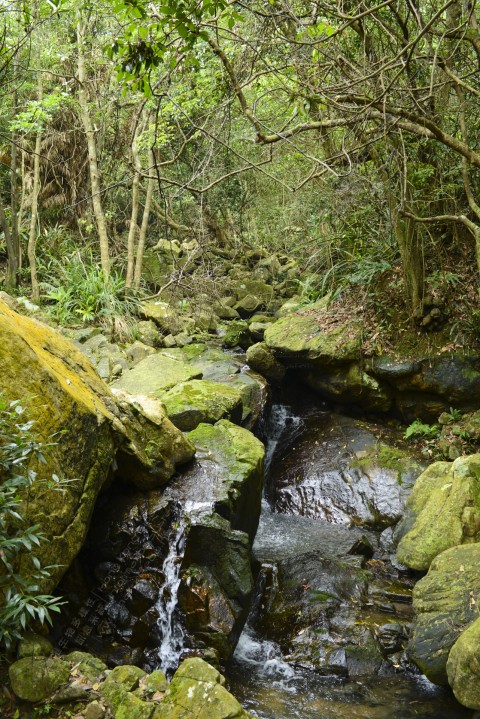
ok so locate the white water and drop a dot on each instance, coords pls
(282, 427)
(172, 634)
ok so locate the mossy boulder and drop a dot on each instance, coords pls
(463, 667)
(156, 374)
(67, 398)
(149, 458)
(34, 679)
(190, 403)
(443, 511)
(261, 359)
(233, 458)
(237, 334)
(34, 645)
(90, 667)
(445, 604)
(197, 691)
(166, 317)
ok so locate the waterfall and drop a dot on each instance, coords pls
(170, 630)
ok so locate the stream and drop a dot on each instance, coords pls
(280, 670)
(328, 627)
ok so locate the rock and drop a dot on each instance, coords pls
(299, 337)
(154, 682)
(66, 394)
(254, 391)
(167, 318)
(149, 459)
(237, 334)
(94, 710)
(341, 472)
(127, 677)
(197, 691)
(206, 320)
(137, 352)
(257, 289)
(34, 645)
(257, 330)
(148, 333)
(248, 305)
(262, 360)
(442, 511)
(90, 667)
(349, 385)
(35, 679)
(154, 374)
(463, 667)
(191, 403)
(224, 311)
(445, 604)
(233, 459)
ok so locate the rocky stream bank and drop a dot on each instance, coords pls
(156, 540)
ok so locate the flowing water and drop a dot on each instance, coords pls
(170, 630)
(267, 674)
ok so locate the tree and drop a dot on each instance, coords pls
(332, 82)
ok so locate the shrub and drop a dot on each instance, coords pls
(20, 599)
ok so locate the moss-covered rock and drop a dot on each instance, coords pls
(236, 459)
(190, 403)
(197, 692)
(156, 374)
(463, 667)
(237, 334)
(445, 604)
(66, 398)
(156, 446)
(442, 511)
(261, 359)
(304, 335)
(166, 317)
(90, 667)
(350, 384)
(34, 679)
(34, 645)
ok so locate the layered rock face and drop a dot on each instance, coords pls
(324, 347)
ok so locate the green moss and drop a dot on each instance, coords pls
(191, 403)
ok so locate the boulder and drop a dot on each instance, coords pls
(66, 397)
(34, 679)
(149, 458)
(34, 645)
(313, 335)
(261, 359)
(197, 691)
(463, 667)
(148, 333)
(166, 317)
(232, 459)
(445, 604)
(443, 511)
(156, 374)
(190, 403)
(237, 334)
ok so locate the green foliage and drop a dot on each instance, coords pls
(79, 292)
(420, 429)
(20, 597)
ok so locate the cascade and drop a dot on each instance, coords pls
(170, 630)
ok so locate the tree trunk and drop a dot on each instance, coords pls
(144, 227)
(88, 126)
(12, 258)
(133, 229)
(32, 236)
